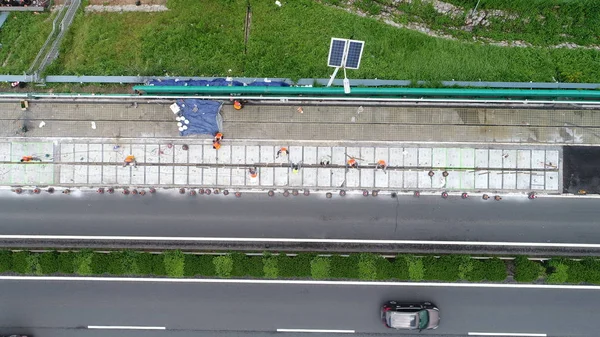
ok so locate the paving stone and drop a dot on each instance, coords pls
(382, 179)
(324, 154)
(46, 175)
(282, 158)
(223, 176)
(338, 155)
(95, 175)
(224, 155)
(367, 178)
(267, 154)
(396, 179)
(196, 154)
(166, 153)
(151, 154)
(453, 180)
(152, 176)
(510, 180)
(467, 157)
(181, 175)
(67, 153)
(552, 182)
(538, 181)
(353, 178)
(523, 180)
(495, 180)
(410, 158)
(481, 159)
(467, 179)
(538, 159)
(496, 158)
(396, 157)
(238, 155)
(266, 175)
(238, 176)
(552, 160)
(296, 154)
(209, 177)
(368, 155)
(195, 176)
(411, 179)
(181, 155)
(510, 159)
(338, 178)
(252, 155)
(281, 176)
(523, 159)
(439, 157)
(138, 175)
(109, 174)
(209, 155)
(423, 180)
(295, 179)
(482, 179)
(5, 149)
(324, 177)
(252, 181)
(438, 181)
(80, 174)
(309, 175)
(424, 157)
(310, 156)
(139, 152)
(454, 156)
(124, 174)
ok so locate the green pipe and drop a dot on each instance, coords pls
(361, 91)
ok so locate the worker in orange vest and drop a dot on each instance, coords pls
(237, 105)
(26, 159)
(216, 145)
(129, 160)
(381, 164)
(352, 163)
(218, 137)
(283, 151)
(253, 173)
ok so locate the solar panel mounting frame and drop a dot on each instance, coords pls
(336, 52)
(350, 53)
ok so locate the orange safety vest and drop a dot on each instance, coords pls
(218, 136)
(351, 162)
(216, 145)
(129, 159)
(27, 158)
(237, 105)
(381, 163)
(283, 150)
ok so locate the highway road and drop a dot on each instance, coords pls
(514, 219)
(51, 308)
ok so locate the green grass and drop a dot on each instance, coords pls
(207, 39)
(22, 36)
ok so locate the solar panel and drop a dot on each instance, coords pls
(355, 50)
(336, 52)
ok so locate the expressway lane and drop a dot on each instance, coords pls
(256, 309)
(167, 214)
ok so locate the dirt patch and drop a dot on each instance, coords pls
(126, 2)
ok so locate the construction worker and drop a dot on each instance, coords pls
(295, 168)
(381, 164)
(237, 105)
(216, 145)
(218, 137)
(253, 173)
(352, 163)
(26, 159)
(130, 160)
(283, 151)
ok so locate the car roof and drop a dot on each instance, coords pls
(403, 319)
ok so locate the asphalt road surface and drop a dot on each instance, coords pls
(514, 219)
(54, 307)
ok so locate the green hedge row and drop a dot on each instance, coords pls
(303, 266)
(362, 266)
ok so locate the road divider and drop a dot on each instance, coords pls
(507, 334)
(125, 327)
(315, 331)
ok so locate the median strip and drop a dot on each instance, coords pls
(126, 327)
(316, 330)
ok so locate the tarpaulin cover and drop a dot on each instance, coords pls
(268, 84)
(217, 82)
(203, 116)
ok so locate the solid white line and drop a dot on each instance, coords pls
(298, 282)
(316, 330)
(124, 327)
(307, 240)
(507, 334)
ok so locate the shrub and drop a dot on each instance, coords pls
(465, 267)
(49, 263)
(383, 268)
(399, 269)
(344, 267)
(33, 261)
(244, 265)
(100, 263)
(192, 265)
(66, 263)
(320, 268)
(366, 267)
(444, 268)
(174, 262)
(557, 271)
(129, 262)
(294, 267)
(83, 262)
(590, 269)
(115, 263)
(223, 265)
(527, 270)
(5, 261)
(270, 267)
(145, 263)
(416, 271)
(493, 269)
(20, 262)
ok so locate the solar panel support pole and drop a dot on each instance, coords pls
(333, 76)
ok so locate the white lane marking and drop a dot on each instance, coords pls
(298, 282)
(126, 327)
(507, 334)
(307, 240)
(316, 330)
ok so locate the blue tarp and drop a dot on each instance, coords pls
(268, 84)
(202, 114)
(217, 82)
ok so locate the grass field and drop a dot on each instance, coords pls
(206, 38)
(22, 36)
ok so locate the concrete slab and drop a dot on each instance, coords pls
(46, 174)
(166, 153)
(95, 175)
(467, 179)
(166, 175)
(353, 178)
(495, 180)
(181, 174)
(18, 174)
(425, 157)
(423, 180)
(266, 175)
(439, 158)
(224, 176)
(496, 159)
(538, 180)
(281, 176)
(382, 179)
(209, 155)
(438, 181)
(510, 180)
(195, 154)
(152, 175)
(309, 175)
(67, 153)
(367, 177)
(209, 176)
(238, 155)
(324, 177)
(296, 154)
(267, 154)
(538, 159)
(5, 174)
(81, 153)
(310, 156)
(109, 174)
(238, 177)
(32, 174)
(382, 153)
(396, 179)
(454, 156)
(354, 152)
(324, 154)
(67, 174)
(411, 158)
(552, 180)
(224, 155)
(453, 180)
(151, 154)
(368, 156)
(552, 159)
(181, 155)
(252, 154)
(509, 159)
(80, 174)
(467, 158)
(124, 174)
(396, 157)
(95, 153)
(523, 159)
(5, 151)
(194, 175)
(338, 155)
(295, 179)
(139, 152)
(481, 179)
(523, 180)
(481, 159)
(338, 177)
(411, 179)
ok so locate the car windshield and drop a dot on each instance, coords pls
(423, 319)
